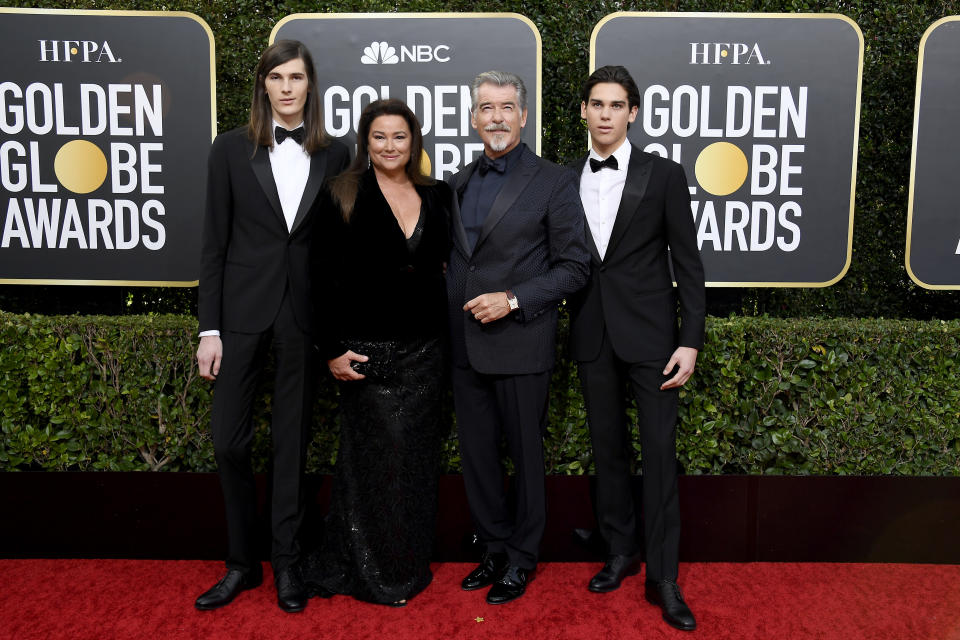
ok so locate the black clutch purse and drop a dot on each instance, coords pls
(381, 364)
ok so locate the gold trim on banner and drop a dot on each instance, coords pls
(856, 125)
(513, 16)
(213, 131)
(913, 157)
(105, 283)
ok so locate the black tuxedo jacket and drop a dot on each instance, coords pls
(248, 257)
(630, 294)
(532, 242)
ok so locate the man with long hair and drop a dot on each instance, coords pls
(262, 190)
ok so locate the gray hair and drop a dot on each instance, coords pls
(499, 78)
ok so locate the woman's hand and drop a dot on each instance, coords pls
(341, 367)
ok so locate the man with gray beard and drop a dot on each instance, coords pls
(518, 250)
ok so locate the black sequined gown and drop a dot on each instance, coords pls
(390, 306)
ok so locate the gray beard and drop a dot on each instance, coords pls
(499, 142)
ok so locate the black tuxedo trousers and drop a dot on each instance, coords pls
(605, 382)
(512, 407)
(244, 355)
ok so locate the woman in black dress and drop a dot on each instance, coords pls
(378, 256)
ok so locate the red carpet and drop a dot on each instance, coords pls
(149, 599)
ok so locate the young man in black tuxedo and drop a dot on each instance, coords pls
(624, 333)
(518, 250)
(262, 189)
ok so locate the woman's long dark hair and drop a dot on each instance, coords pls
(345, 186)
(260, 127)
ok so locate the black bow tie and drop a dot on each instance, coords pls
(596, 165)
(282, 134)
(486, 164)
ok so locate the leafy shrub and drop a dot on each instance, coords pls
(770, 396)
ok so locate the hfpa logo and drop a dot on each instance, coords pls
(82, 50)
(383, 53)
(725, 52)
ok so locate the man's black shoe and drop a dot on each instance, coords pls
(666, 595)
(291, 594)
(614, 571)
(229, 587)
(490, 568)
(509, 586)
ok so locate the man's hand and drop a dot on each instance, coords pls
(341, 369)
(488, 307)
(209, 355)
(686, 359)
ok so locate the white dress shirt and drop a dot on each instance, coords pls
(600, 193)
(291, 168)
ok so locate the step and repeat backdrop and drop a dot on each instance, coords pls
(107, 119)
(426, 60)
(762, 111)
(933, 227)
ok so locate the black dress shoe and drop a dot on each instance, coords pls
(291, 594)
(228, 588)
(490, 568)
(509, 586)
(666, 595)
(614, 571)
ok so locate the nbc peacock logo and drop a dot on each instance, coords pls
(379, 53)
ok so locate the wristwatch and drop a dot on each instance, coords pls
(512, 300)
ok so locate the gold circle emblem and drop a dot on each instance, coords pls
(80, 166)
(426, 167)
(721, 168)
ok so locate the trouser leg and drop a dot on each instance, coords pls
(478, 430)
(290, 428)
(603, 382)
(231, 422)
(523, 409)
(657, 416)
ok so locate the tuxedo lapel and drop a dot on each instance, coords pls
(260, 163)
(318, 168)
(459, 233)
(591, 245)
(638, 176)
(517, 181)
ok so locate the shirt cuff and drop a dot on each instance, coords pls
(210, 332)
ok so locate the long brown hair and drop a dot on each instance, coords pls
(260, 127)
(345, 186)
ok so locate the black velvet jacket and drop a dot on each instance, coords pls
(366, 283)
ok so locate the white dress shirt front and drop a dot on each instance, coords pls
(291, 168)
(600, 193)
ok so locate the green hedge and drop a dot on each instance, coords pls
(770, 396)
(876, 284)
